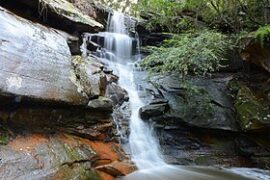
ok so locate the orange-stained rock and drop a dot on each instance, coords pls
(62, 156)
(27, 143)
(105, 176)
(117, 169)
(106, 151)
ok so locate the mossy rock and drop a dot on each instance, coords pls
(253, 110)
(78, 171)
(199, 102)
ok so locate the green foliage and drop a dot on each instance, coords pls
(4, 136)
(161, 13)
(192, 52)
(263, 34)
(225, 15)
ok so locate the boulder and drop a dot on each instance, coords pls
(35, 62)
(117, 94)
(102, 104)
(153, 110)
(198, 102)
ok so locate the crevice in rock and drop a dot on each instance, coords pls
(220, 105)
(83, 161)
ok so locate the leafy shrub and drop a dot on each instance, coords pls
(161, 13)
(225, 15)
(197, 53)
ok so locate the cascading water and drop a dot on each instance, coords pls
(145, 153)
(143, 146)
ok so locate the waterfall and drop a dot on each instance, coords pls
(143, 146)
(117, 52)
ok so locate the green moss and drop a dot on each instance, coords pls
(4, 136)
(77, 171)
(75, 167)
(253, 111)
(203, 160)
(197, 101)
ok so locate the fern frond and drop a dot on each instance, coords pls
(262, 34)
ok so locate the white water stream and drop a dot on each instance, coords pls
(144, 147)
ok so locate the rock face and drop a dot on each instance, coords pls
(35, 62)
(202, 102)
(199, 122)
(60, 14)
(252, 105)
(257, 54)
(69, 11)
(59, 156)
(55, 121)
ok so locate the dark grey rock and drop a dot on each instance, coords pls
(102, 103)
(152, 110)
(117, 94)
(208, 107)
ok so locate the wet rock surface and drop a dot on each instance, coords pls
(55, 121)
(153, 110)
(203, 102)
(190, 136)
(58, 156)
(30, 67)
